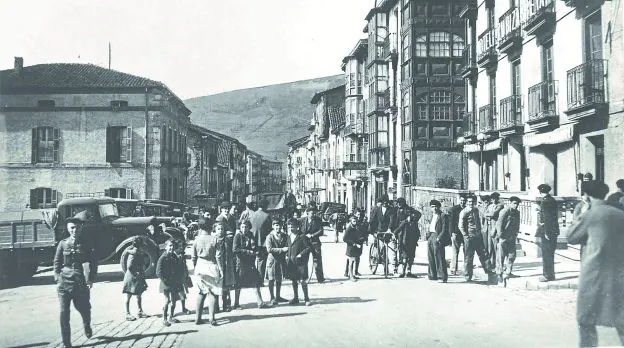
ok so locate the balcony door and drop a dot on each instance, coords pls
(593, 37)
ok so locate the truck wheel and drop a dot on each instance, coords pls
(151, 258)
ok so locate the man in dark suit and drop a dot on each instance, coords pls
(299, 248)
(547, 230)
(457, 239)
(312, 227)
(437, 239)
(382, 220)
(261, 227)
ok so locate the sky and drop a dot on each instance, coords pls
(196, 48)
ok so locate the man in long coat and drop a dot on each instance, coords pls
(261, 227)
(548, 230)
(601, 282)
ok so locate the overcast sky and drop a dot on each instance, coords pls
(196, 47)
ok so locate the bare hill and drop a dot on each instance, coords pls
(262, 118)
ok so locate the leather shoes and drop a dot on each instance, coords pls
(88, 331)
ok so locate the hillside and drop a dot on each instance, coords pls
(262, 118)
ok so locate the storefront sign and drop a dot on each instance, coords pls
(354, 165)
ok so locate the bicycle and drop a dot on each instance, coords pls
(378, 252)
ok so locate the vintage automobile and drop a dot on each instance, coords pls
(176, 209)
(334, 214)
(127, 208)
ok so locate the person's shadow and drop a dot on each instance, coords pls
(243, 317)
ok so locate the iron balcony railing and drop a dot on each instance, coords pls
(543, 100)
(487, 43)
(531, 9)
(487, 118)
(510, 111)
(509, 24)
(467, 61)
(586, 84)
(390, 45)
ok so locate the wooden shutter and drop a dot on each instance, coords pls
(33, 198)
(128, 144)
(54, 199)
(128, 193)
(35, 146)
(56, 137)
(109, 143)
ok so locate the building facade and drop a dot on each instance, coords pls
(272, 177)
(254, 166)
(298, 167)
(544, 81)
(202, 177)
(82, 130)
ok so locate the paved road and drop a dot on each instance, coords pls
(371, 312)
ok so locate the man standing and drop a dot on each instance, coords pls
(261, 227)
(382, 218)
(617, 197)
(401, 213)
(470, 227)
(225, 218)
(491, 215)
(74, 271)
(600, 297)
(312, 227)
(437, 238)
(456, 237)
(547, 230)
(507, 229)
(251, 207)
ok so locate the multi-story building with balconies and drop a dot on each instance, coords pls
(83, 130)
(544, 80)
(202, 178)
(298, 167)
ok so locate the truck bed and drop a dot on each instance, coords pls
(24, 229)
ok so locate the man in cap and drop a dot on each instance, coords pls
(261, 226)
(225, 218)
(437, 239)
(456, 237)
(312, 227)
(489, 228)
(547, 230)
(507, 229)
(381, 221)
(75, 266)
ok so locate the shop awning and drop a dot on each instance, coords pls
(559, 135)
(492, 145)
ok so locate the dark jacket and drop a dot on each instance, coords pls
(454, 220)
(442, 230)
(380, 222)
(313, 226)
(169, 270)
(260, 226)
(299, 249)
(354, 240)
(508, 223)
(400, 214)
(548, 218)
(229, 223)
(74, 264)
(408, 233)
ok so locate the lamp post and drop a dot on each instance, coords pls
(481, 137)
(460, 142)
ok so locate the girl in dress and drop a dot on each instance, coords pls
(247, 275)
(208, 268)
(354, 247)
(277, 247)
(134, 280)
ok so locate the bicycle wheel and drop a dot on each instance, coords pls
(386, 259)
(373, 257)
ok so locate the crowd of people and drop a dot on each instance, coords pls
(236, 250)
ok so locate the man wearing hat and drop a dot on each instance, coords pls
(489, 228)
(437, 239)
(261, 226)
(312, 227)
(381, 221)
(75, 266)
(547, 230)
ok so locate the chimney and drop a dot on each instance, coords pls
(19, 65)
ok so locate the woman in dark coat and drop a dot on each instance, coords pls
(407, 234)
(134, 280)
(246, 273)
(353, 239)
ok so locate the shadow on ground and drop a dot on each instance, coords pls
(243, 317)
(40, 344)
(103, 340)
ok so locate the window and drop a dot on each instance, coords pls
(515, 78)
(420, 109)
(119, 104)
(593, 37)
(421, 69)
(491, 21)
(439, 44)
(118, 144)
(405, 49)
(45, 104)
(441, 132)
(492, 88)
(405, 16)
(458, 46)
(547, 62)
(43, 197)
(382, 131)
(45, 145)
(420, 46)
(439, 10)
(407, 117)
(440, 69)
(420, 10)
(116, 192)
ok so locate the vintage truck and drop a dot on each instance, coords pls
(29, 238)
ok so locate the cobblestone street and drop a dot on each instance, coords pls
(371, 312)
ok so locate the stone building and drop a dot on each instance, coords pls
(202, 183)
(254, 168)
(271, 175)
(83, 130)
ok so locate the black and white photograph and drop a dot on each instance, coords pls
(311, 173)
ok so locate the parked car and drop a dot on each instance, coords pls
(333, 213)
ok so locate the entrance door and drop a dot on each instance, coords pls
(599, 164)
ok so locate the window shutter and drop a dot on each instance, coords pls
(123, 134)
(109, 143)
(56, 137)
(129, 144)
(33, 198)
(35, 146)
(54, 200)
(128, 193)
(107, 192)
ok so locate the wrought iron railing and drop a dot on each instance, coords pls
(487, 118)
(510, 111)
(509, 24)
(486, 43)
(531, 9)
(543, 100)
(586, 84)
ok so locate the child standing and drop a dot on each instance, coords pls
(299, 248)
(171, 276)
(134, 280)
(354, 248)
(247, 274)
(187, 283)
(277, 247)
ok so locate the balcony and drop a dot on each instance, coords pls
(349, 129)
(376, 104)
(380, 157)
(586, 90)
(469, 68)
(487, 119)
(510, 115)
(487, 55)
(390, 47)
(509, 35)
(468, 125)
(390, 101)
(540, 17)
(469, 11)
(543, 105)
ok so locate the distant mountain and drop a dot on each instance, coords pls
(262, 118)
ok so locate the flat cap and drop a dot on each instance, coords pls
(495, 195)
(435, 203)
(224, 205)
(544, 188)
(400, 200)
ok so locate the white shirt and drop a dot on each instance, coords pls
(434, 221)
